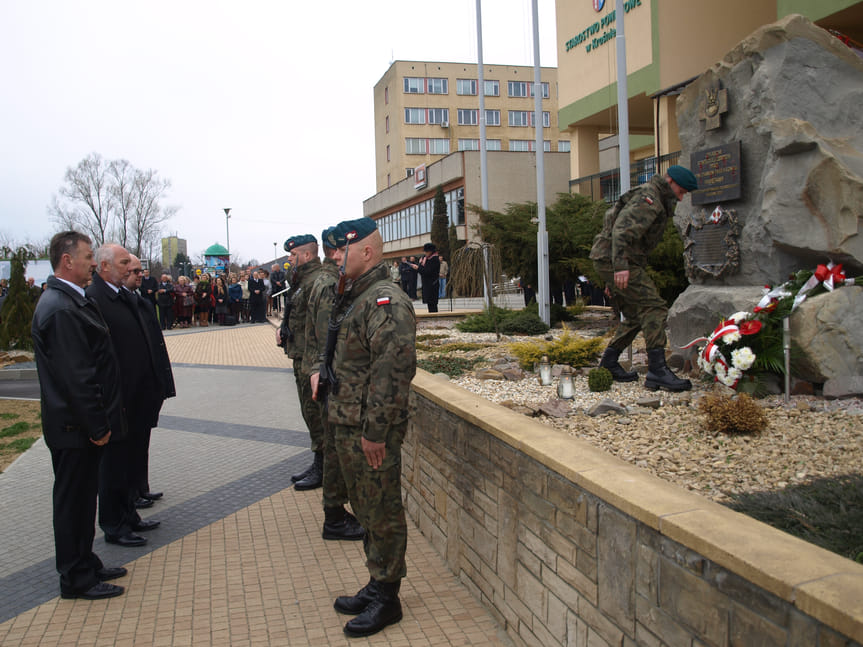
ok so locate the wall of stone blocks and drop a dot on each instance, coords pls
(537, 525)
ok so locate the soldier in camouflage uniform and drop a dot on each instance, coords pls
(338, 522)
(632, 229)
(374, 363)
(303, 251)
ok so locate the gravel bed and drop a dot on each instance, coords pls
(807, 438)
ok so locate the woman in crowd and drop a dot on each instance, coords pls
(257, 298)
(246, 304)
(235, 298)
(268, 289)
(220, 296)
(203, 299)
(184, 302)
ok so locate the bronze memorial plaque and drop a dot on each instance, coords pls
(717, 170)
(710, 247)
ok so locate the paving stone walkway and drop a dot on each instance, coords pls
(238, 559)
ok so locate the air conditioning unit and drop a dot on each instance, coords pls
(444, 123)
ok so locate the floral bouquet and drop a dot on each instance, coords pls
(742, 349)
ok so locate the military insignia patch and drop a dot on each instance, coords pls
(648, 200)
(383, 301)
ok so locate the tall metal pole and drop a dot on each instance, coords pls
(483, 154)
(622, 100)
(543, 292)
(228, 233)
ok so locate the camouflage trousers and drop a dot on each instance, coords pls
(376, 498)
(335, 491)
(309, 408)
(641, 306)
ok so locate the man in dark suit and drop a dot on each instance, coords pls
(277, 283)
(142, 398)
(82, 410)
(141, 445)
(148, 286)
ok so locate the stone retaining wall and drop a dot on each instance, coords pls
(567, 545)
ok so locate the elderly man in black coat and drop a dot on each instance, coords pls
(144, 390)
(82, 410)
(429, 270)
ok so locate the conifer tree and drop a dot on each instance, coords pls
(16, 315)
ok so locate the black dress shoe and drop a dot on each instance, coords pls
(141, 503)
(110, 573)
(126, 540)
(145, 524)
(153, 496)
(96, 592)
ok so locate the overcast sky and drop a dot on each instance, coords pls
(261, 106)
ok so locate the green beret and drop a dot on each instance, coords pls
(355, 229)
(325, 238)
(683, 176)
(298, 241)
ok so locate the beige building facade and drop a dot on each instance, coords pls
(668, 43)
(171, 246)
(424, 111)
(404, 210)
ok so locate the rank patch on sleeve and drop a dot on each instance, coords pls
(648, 200)
(383, 301)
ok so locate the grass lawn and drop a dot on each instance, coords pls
(20, 427)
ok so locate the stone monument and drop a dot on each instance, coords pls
(774, 131)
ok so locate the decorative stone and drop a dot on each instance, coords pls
(489, 374)
(556, 408)
(513, 374)
(849, 386)
(827, 331)
(606, 406)
(649, 402)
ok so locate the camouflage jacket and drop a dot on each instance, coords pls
(321, 296)
(375, 357)
(298, 300)
(634, 226)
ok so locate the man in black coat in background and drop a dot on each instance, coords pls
(82, 410)
(142, 389)
(429, 270)
(148, 287)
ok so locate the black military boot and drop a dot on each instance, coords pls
(355, 604)
(341, 524)
(384, 610)
(303, 474)
(315, 477)
(609, 361)
(659, 376)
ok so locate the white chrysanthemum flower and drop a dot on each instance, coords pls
(743, 358)
(731, 338)
(737, 317)
(719, 370)
(733, 375)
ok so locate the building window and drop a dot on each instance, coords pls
(544, 90)
(388, 152)
(414, 85)
(492, 88)
(519, 118)
(563, 147)
(415, 146)
(409, 172)
(386, 96)
(388, 123)
(438, 146)
(546, 119)
(517, 89)
(492, 117)
(438, 86)
(467, 117)
(520, 145)
(415, 115)
(468, 144)
(492, 145)
(546, 145)
(465, 86)
(438, 116)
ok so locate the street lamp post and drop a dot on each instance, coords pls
(274, 251)
(228, 233)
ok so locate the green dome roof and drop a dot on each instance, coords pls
(216, 250)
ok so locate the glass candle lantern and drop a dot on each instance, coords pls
(566, 385)
(544, 371)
